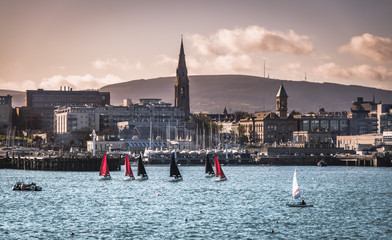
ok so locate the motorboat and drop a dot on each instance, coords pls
(21, 186)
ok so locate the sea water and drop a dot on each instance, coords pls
(349, 203)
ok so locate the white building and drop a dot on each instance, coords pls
(70, 119)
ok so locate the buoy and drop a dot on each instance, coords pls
(158, 194)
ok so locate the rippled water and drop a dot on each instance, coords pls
(350, 203)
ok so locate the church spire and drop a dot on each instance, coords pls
(181, 89)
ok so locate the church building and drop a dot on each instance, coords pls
(181, 89)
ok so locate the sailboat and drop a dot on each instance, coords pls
(141, 171)
(174, 171)
(128, 170)
(297, 194)
(104, 169)
(220, 176)
(209, 169)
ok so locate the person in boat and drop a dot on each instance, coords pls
(302, 202)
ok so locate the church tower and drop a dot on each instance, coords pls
(281, 102)
(181, 89)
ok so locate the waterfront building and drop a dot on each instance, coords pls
(270, 127)
(307, 139)
(40, 105)
(5, 113)
(325, 123)
(69, 119)
(100, 118)
(384, 117)
(363, 117)
(152, 118)
(181, 88)
(359, 142)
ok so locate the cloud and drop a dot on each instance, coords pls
(369, 46)
(233, 63)
(26, 84)
(251, 39)
(364, 72)
(222, 64)
(78, 82)
(114, 63)
(166, 60)
(293, 69)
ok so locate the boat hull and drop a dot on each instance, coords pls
(19, 186)
(105, 178)
(142, 178)
(220, 179)
(176, 179)
(129, 178)
(298, 205)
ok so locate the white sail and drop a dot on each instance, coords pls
(296, 193)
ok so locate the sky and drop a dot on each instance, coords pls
(91, 43)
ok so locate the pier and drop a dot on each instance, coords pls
(59, 163)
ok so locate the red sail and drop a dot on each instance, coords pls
(218, 169)
(128, 170)
(104, 168)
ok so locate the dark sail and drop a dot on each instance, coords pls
(174, 171)
(141, 171)
(209, 168)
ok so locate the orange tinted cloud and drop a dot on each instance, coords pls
(250, 39)
(364, 72)
(369, 46)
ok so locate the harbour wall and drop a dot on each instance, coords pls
(59, 163)
(114, 163)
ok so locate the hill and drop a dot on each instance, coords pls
(212, 93)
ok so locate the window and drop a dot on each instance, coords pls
(314, 124)
(334, 125)
(324, 124)
(305, 125)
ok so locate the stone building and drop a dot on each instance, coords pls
(270, 127)
(5, 113)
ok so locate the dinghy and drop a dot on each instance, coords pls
(141, 171)
(104, 169)
(297, 194)
(220, 176)
(128, 170)
(209, 169)
(174, 171)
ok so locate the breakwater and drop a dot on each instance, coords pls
(89, 163)
(343, 160)
(59, 163)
